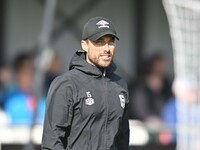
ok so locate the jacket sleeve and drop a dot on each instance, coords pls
(58, 117)
(123, 138)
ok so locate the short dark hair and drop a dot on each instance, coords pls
(20, 61)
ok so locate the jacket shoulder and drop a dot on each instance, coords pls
(61, 81)
(119, 80)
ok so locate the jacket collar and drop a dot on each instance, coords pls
(78, 62)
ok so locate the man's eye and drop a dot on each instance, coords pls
(99, 42)
(111, 42)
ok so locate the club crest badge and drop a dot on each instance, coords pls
(122, 100)
(89, 101)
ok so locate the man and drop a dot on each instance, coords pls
(87, 106)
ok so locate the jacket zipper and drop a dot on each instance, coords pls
(106, 105)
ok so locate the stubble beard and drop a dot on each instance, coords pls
(100, 64)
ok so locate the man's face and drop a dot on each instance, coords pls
(100, 52)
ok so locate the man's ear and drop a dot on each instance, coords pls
(84, 45)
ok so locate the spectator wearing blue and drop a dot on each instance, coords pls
(182, 111)
(20, 102)
(5, 80)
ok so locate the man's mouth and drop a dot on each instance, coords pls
(106, 57)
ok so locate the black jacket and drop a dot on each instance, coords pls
(86, 109)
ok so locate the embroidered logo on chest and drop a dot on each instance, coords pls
(89, 100)
(122, 100)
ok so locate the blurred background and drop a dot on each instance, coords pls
(39, 37)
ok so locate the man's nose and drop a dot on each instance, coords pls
(106, 47)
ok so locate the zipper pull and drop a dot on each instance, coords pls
(104, 73)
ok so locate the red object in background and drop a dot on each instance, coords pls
(31, 103)
(165, 137)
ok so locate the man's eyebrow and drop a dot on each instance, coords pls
(112, 38)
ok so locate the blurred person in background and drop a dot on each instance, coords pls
(53, 71)
(185, 91)
(151, 91)
(181, 114)
(5, 81)
(20, 102)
